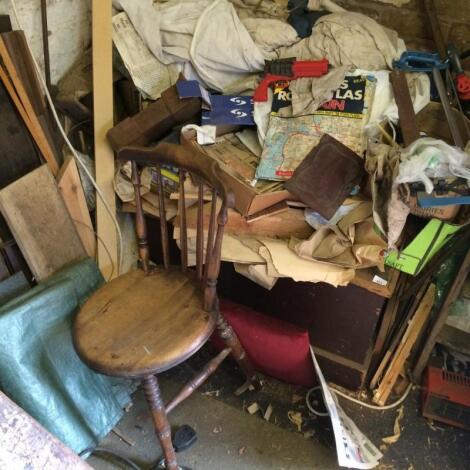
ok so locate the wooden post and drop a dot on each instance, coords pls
(103, 121)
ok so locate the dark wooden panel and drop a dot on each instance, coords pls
(340, 374)
(341, 320)
(18, 154)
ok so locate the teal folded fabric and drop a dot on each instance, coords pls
(40, 369)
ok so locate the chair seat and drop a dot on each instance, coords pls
(139, 324)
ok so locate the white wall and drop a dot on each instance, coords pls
(69, 24)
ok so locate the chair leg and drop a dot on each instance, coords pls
(230, 338)
(160, 420)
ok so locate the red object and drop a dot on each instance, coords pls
(297, 69)
(462, 83)
(277, 348)
(446, 397)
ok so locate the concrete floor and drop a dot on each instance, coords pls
(229, 437)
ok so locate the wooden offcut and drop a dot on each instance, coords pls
(403, 350)
(103, 121)
(70, 186)
(40, 223)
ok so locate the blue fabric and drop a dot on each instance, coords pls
(40, 369)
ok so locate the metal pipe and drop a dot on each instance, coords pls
(45, 44)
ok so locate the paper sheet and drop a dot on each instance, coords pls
(233, 249)
(288, 264)
(256, 273)
(354, 450)
(149, 75)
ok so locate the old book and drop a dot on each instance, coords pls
(326, 176)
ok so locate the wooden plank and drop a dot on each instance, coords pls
(24, 443)
(15, 42)
(397, 363)
(103, 121)
(37, 131)
(40, 223)
(441, 318)
(284, 225)
(340, 359)
(17, 46)
(273, 210)
(388, 318)
(406, 114)
(70, 186)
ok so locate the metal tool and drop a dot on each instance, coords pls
(447, 55)
(417, 61)
(431, 62)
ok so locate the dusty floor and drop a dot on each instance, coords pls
(230, 438)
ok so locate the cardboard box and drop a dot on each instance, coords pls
(439, 212)
(240, 165)
(424, 246)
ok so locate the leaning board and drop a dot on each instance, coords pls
(40, 223)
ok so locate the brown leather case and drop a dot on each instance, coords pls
(326, 176)
(154, 121)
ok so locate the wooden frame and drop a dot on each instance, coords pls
(103, 121)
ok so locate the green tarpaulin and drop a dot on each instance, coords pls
(40, 370)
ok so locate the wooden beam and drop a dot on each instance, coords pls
(70, 187)
(103, 121)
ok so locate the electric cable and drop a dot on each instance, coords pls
(104, 246)
(309, 405)
(69, 144)
(358, 402)
(101, 450)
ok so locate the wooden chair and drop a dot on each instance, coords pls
(152, 319)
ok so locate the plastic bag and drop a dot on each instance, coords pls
(432, 158)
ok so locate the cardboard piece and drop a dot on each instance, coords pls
(257, 273)
(219, 109)
(424, 246)
(446, 213)
(241, 167)
(233, 248)
(352, 243)
(288, 264)
(226, 109)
